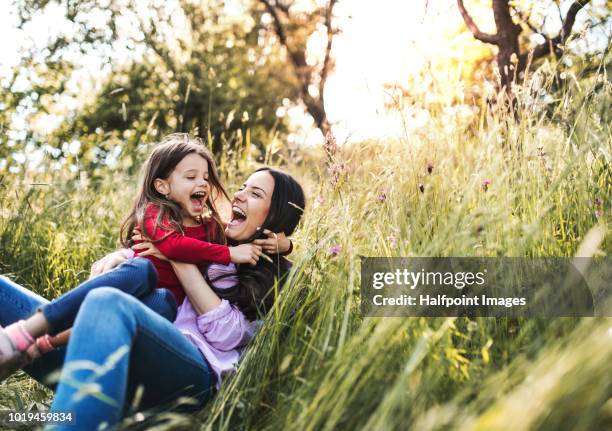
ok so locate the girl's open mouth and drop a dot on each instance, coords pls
(197, 200)
(238, 216)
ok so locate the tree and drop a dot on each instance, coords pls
(510, 23)
(293, 29)
(187, 66)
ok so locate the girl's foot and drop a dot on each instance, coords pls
(18, 348)
(11, 359)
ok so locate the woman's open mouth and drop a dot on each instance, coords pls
(197, 200)
(238, 216)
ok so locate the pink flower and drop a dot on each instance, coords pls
(336, 172)
(392, 240)
(598, 208)
(330, 146)
(382, 196)
(430, 167)
(485, 184)
(320, 200)
(335, 250)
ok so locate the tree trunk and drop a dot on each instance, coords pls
(507, 42)
(316, 109)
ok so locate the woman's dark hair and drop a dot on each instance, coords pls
(171, 150)
(255, 293)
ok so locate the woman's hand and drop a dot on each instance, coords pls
(107, 263)
(275, 243)
(146, 248)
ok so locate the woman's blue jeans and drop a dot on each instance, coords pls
(118, 345)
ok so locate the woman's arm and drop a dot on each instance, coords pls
(221, 324)
(201, 296)
(109, 261)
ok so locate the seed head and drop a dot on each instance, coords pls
(430, 167)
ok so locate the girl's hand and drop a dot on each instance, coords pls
(32, 354)
(245, 253)
(275, 243)
(146, 248)
(107, 263)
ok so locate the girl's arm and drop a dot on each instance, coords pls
(178, 247)
(275, 243)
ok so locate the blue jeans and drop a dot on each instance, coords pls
(136, 277)
(117, 345)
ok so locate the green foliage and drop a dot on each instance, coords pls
(186, 67)
(316, 362)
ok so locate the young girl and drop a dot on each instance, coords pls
(181, 184)
(175, 210)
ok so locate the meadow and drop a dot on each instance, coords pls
(481, 183)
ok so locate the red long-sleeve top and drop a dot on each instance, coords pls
(191, 247)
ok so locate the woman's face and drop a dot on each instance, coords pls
(250, 206)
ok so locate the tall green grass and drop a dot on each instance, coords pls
(497, 187)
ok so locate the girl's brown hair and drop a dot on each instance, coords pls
(171, 150)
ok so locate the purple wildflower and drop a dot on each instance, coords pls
(331, 147)
(335, 250)
(485, 184)
(336, 171)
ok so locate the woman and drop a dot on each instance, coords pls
(119, 344)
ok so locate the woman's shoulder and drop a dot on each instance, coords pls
(222, 276)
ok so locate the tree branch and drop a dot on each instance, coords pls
(471, 25)
(278, 26)
(330, 37)
(570, 18)
(304, 72)
(551, 45)
(298, 58)
(282, 7)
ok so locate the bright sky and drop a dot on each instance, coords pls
(381, 42)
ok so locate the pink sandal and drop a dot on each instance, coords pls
(11, 359)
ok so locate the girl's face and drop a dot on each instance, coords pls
(250, 206)
(187, 185)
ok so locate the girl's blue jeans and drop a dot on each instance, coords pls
(122, 356)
